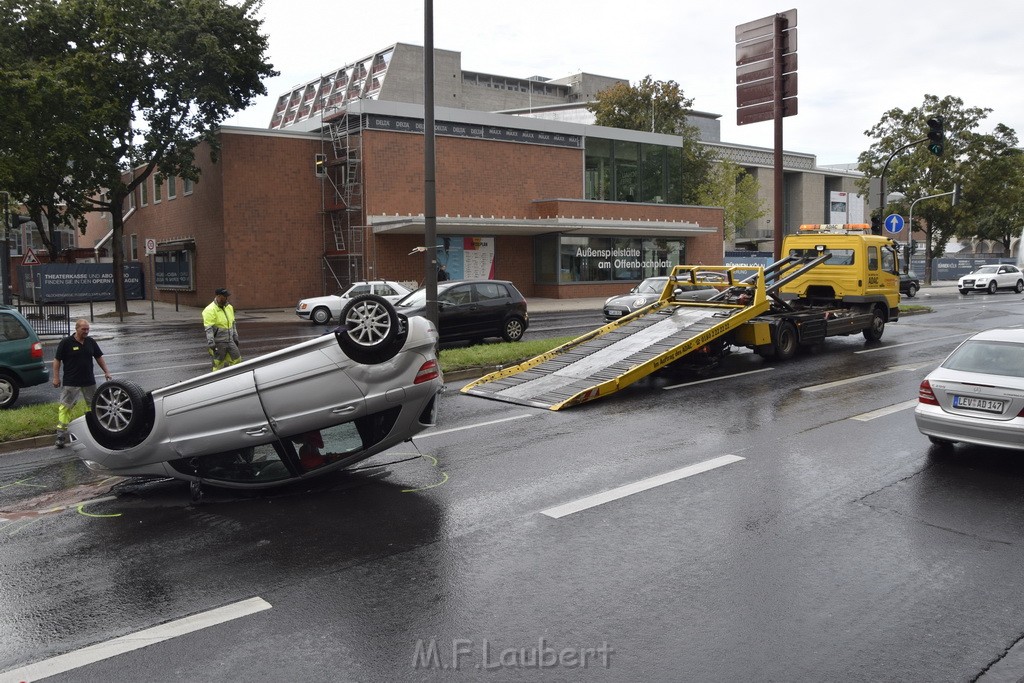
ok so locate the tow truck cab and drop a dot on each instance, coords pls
(863, 268)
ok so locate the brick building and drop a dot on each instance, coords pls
(511, 203)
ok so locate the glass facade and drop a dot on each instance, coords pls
(560, 259)
(621, 171)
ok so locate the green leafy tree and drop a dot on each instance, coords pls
(657, 107)
(915, 172)
(993, 199)
(111, 91)
(728, 185)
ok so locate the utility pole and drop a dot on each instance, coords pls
(5, 261)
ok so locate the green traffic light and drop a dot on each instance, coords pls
(936, 135)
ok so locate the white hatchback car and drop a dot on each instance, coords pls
(321, 309)
(991, 278)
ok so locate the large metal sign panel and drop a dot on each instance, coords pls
(764, 48)
(764, 26)
(758, 71)
(764, 91)
(765, 112)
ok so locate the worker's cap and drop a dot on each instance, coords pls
(223, 292)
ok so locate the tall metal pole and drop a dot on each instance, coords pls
(5, 260)
(429, 179)
(778, 190)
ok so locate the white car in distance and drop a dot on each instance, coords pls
(321, 309)
(992, 277)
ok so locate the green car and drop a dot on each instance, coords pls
(21, 356)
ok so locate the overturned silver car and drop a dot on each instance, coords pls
(314, 407)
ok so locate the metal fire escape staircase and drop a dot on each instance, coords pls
(343, 202)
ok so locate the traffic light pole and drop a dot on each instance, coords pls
(881, 183)
(927, 236)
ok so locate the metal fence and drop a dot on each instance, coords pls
(48, 319)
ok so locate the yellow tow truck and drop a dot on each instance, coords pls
(832, 280)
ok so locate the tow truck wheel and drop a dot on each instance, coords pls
(786, 341)
(874, 332)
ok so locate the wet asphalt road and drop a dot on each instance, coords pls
(822, 540)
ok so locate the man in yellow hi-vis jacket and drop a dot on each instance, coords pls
(221, 333)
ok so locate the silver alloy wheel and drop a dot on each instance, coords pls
(113, 408)
(368, 322)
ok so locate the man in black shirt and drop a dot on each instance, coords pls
(76, 352)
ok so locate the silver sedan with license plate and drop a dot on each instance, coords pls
(313, 407)
(977, 394)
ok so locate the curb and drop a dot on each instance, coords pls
(40, 441)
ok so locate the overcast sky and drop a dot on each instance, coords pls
(856, 60)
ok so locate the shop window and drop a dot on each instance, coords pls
(604, 259)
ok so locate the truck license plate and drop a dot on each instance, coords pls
(984, 404)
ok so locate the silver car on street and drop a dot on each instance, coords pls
(977, 394)
(314, 407)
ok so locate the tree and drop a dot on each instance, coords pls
(731, 187)
(119, 89)
(993, 199)
(915, 173)
(657, 107)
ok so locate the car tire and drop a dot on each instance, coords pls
(911, 291)
(8, 390)
(786, 341)
(369, 332)
(1020, 286)
(320, 315)
(874, 331)
(964, 291)
(992, 287)
(513, 329)
(121, 416)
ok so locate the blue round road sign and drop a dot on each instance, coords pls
(893, 222)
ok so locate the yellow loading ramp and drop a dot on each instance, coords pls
(614, 356)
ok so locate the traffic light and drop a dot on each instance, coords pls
(320, 165)
(913, 247)
(936, 135)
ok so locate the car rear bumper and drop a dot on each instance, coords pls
(934, 421)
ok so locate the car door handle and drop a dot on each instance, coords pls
(256, 432)
(343, 410)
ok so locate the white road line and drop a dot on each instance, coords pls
(882, 412)
(923, 341)
(716, 379)
(636, 487)
(473, 426)
(133, 641)
(858, 378)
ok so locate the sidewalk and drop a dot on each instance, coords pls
(102, 313)
(144, 312)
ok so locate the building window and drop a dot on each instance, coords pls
(186, 186)
(560, 259)
(621, 171)
(131, 200)
(145, 193)
(158, 183)
(172, 187)
(133, 248)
